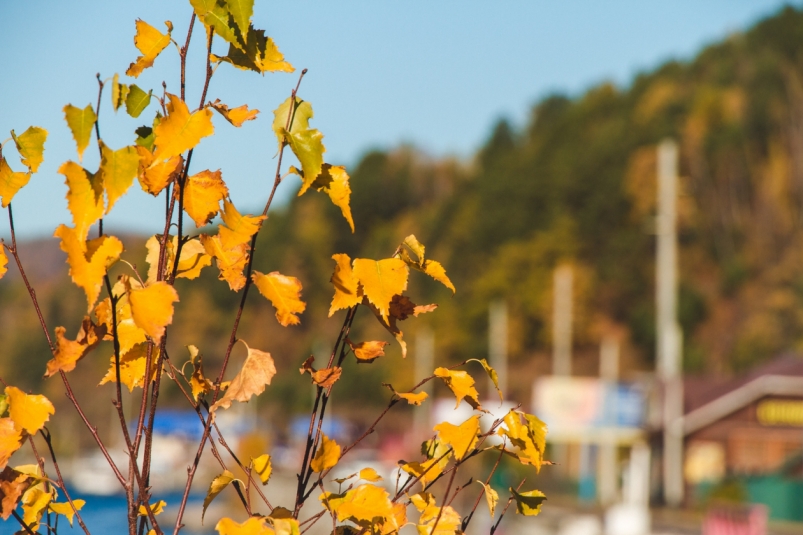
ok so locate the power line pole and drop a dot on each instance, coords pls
(424, 355)
(497, 344)
(562, 320)
(668, 331)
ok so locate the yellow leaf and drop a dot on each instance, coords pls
(367, 351)
(10, 440)
(133, 365)
(34, 503)
(238, 228)
(150, 42)
(461, 384)
(193, 258)
(12, 485)
(11, 182)
(180, 131)
(400, 309)
(31, 146)
(529, 438)
(66, 510)
(28, 412)
(198, 382)
(421, 263)
(347, 292)
(327, 455)
(154, 175)
(152, 308)
(424, 502)
(236, 116)
(3, 261)
(263, 467)
(381, 280)
(327, 377)
(119, 92)
(447, 524)
(84, 197)
(491, 497)
(69, 352)
(364, 504)
(230, 262)
(334, 181)
(202, 195)
(369, 474)
(156, 508)
(217, 14)
(412, 398)
(528, 503)
(306, 143)
(461, 438)
(492, 375)
(284, 293)
(256, 525)
(117, 169)
(257, 372)
(81, 122)
(392, 524)
(259, 53)
(216, 487)
(428, 470)
(128, 334)
(88, 260)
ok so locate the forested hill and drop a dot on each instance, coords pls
(576, 185)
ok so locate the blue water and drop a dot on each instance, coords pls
(103, 515)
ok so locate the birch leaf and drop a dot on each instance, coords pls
(29, 412)
(381, 280)
(257, 372)
(11, 182)
(256, 525)
(31, 146)
(284, 293)
(230, 261)
(528, 503)
(461, 384)
(133, 365)
(118, 168)
(367, 351)
(179, 130)
(491, 497)
(80, 121)
(150, 42)
(84, 196)
(263, 467)
(69, 352)
(461, 438)
(202, 195)
(327, 455)
(216, 487)
(88, 260)
(10, 440)
(152, 308)
(12, 485)
(492, 375)
(236, 116)
(347, 292)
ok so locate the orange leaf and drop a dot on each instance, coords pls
(150, 42)
(230, 262)
(12, 485)
(154, 175)
(28, 412)
(202, 195)
(84, 198)
(367, 351)
(198, 382)
(69, 352)
(180, 131)
(236, 116)
(347, 292)
(11, 182)
(257, 372)
(238, 228)
(152, 308)
(284, 293)
(10, 440)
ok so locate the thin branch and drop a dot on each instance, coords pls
(46, 434)
(183, 54)
(445, 497)
(25, 526)
(467, 520)
(509, 501)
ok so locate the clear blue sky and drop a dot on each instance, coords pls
(435, 74)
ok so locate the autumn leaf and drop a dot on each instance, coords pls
(202, 195)
(154, 175)
(334, 181)
(491, 497)
(306, 143)
(199, 384)
(263, 467)
(364, 504)
(219, 483)
(257, 53)
(421, 263)
(150, 42)
(381, 280)
(257, 372)
(284, 293)
(492, 375)
(236, 116)
(180, 131)
(12, 485)
(133, 365)
(347, 292)
(155, 508)
(11, 182)
(326, 456)
(66, 510)
(81, 122)
(230, 262)
(118, 168)
(528, 503)
(136, 100)
(3, 261)
(29, 412)
(237, 229)
(461, 438)
(447, 524)
(128, 334)
(69, 352)
(529, 438)
(327, 377)
(461, 384)
(214, 13)
(88, 260)
(10, 440)
(410, 397)
(152, 308)
(367, 351)
(31, 146)
(256, 525)
(119, 92)
(369, 474)
(34, 503)
(193, 258)
(84, 196)
(427, 471)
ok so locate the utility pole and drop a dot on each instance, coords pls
(562, 320)
(424, 355)
(607, 458)
(497, 344)
(669, 334)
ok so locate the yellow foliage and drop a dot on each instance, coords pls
(327, 455)
(284, 293)
(29, 412)
(179, 130)
(150, 42)
(257, 372)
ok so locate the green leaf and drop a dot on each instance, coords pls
(31, 146)
(119, 168)
(216, 13)
(145, 137)
(80, 122)
(528, 503)
(492, 375)
(241, 11)
(306, 143)
(137, 100)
